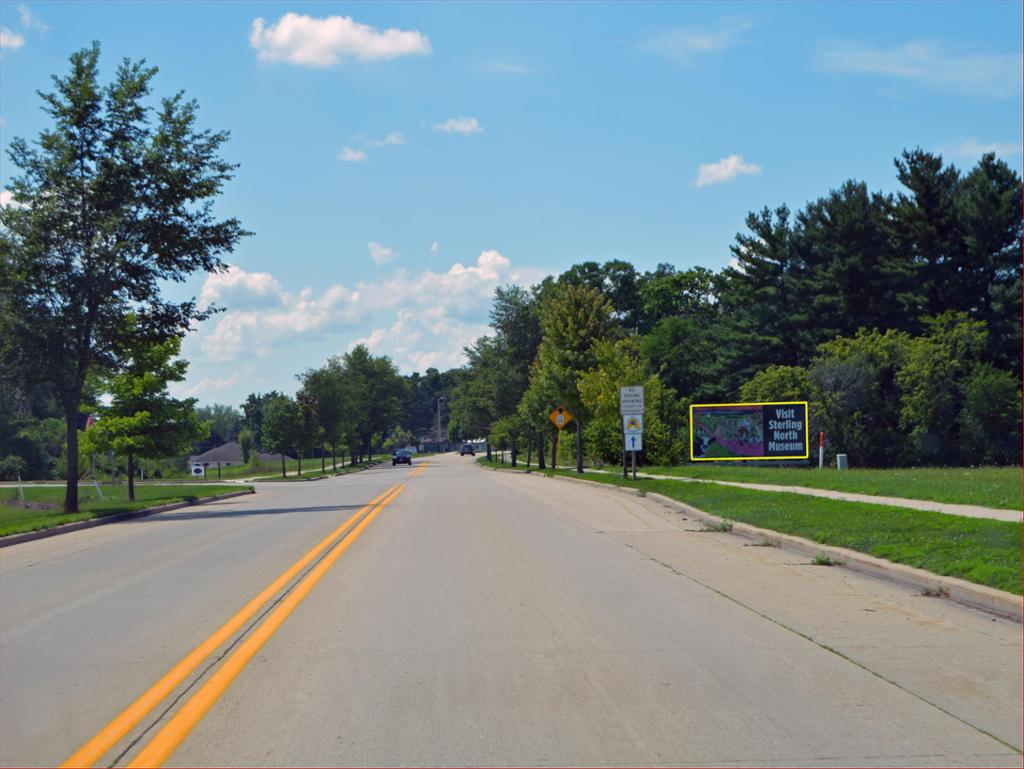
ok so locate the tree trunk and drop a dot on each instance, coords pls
(283, 473)
(540, 451)
(131, 477)
(487, 445)
(300, 463)
(71, 490)
(529, 453)
(514, 452)
(579, 447)
(323, 458)
(334, 458)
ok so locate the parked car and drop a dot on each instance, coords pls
(401, 456)
(467, 448)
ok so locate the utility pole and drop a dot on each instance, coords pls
(440, 400)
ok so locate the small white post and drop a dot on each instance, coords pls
(821, 450)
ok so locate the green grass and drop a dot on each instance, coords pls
(310, 467)
(15, 519)
(998, 487)
(980, 550)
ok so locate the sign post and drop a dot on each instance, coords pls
(560, 417)
(821, 450)
(633, 430)
(631, 407)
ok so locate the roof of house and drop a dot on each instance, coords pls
(225, 453)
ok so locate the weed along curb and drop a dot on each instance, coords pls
(977, 596)
(64, 528)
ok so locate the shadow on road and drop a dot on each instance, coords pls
(202, 511)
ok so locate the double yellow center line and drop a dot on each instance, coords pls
(157, 750)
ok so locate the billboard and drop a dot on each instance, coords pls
(731, 431)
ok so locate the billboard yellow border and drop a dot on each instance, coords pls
(807, 432)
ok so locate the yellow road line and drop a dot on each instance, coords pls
(191, 713)
(108, 736)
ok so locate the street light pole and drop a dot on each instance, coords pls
(440, 399)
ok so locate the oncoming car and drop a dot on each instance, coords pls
(467, 448)
(401, 456)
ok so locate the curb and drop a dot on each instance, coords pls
(987, 599)
(65, 528)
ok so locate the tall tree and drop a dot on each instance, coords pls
(253, 410)
(112, 202)
(574, 320)
(225, 422)
(143, 420)
(852, 274)
(763, 313)
(332, 392)
(927, 229)
(989, 208)
(378, 392)
(311, 434)
(282, 427)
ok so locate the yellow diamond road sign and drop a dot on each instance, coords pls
(560, 417)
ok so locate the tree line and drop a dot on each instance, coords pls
(898, 316)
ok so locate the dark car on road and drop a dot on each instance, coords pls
(467, 448)
(401, 456)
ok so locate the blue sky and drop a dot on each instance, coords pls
(399, 161)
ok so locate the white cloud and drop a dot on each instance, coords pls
(237, 288)
(973, 149)
(7, 199)
(725, 170)
(204, 387)
(9, 39)
(931, 64)
(349, 155)
(392, 139)
(380, 254)
(253, 324)
(460, 125)
(421, 338)
(310, 42)
(682, 44)
(434, 248)
(29, 20)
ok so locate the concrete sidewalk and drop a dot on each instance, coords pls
(971, 511)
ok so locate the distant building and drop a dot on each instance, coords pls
(229, 454)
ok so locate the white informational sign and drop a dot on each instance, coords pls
(633, 424)
(198, 471)
(635, 442)
(631, 400)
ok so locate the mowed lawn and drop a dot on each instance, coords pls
(998, 487)
(310, 468)
(44, 503)
(980, 550)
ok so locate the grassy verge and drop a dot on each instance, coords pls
(998, 487)
(312, 472)
(265, 469)
(979, 550)
(44, 503)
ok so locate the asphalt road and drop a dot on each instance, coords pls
(482, 618)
